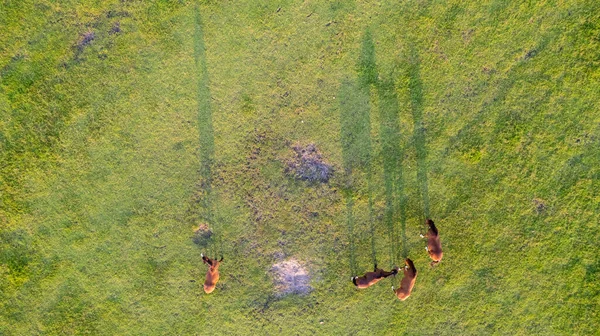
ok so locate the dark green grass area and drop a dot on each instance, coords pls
(124, 125)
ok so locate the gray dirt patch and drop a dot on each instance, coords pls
(86, 39)
(116, 28)
(539, 205)
(308, 165)
(290, 277)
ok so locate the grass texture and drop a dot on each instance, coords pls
(126, 124)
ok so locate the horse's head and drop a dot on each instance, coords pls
(410, 266)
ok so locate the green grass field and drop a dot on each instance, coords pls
(126, 124)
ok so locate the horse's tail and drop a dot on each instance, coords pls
(354, 281)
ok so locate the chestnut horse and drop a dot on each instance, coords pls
(371, 278)
(434, 246)
(212, 276)
(408, 282)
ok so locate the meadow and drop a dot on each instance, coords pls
(125, 125)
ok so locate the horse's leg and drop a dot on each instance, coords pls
(385, 274)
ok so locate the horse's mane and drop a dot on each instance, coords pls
(432, 226)
(412, 266)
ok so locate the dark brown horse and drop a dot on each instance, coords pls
(408, 282)
(434, 246)
(371, 278)
(212, 276)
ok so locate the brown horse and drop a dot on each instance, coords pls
(212, 276)
(371, 278)
(434, 246)
(408, 282)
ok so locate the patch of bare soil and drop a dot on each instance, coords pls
(290, 278)
(539, 205)
(308, 165)
(84, 40)
(116, 28)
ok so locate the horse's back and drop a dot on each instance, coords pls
(434, 246)
(406, 285)
(367, 280)
(403, 292)
(402, 296)
(211, 282)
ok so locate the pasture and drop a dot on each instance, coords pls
(127, 125)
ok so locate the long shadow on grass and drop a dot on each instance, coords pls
(356, 142)
(415, 87)
(395, 202)
(355, 128)
(390, 142)
(367, 76)
(205, 128)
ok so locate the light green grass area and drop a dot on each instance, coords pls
(126, 124)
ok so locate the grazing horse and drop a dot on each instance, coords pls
(212, 276)
(434, 246)
(371, 278)
(408, 282)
